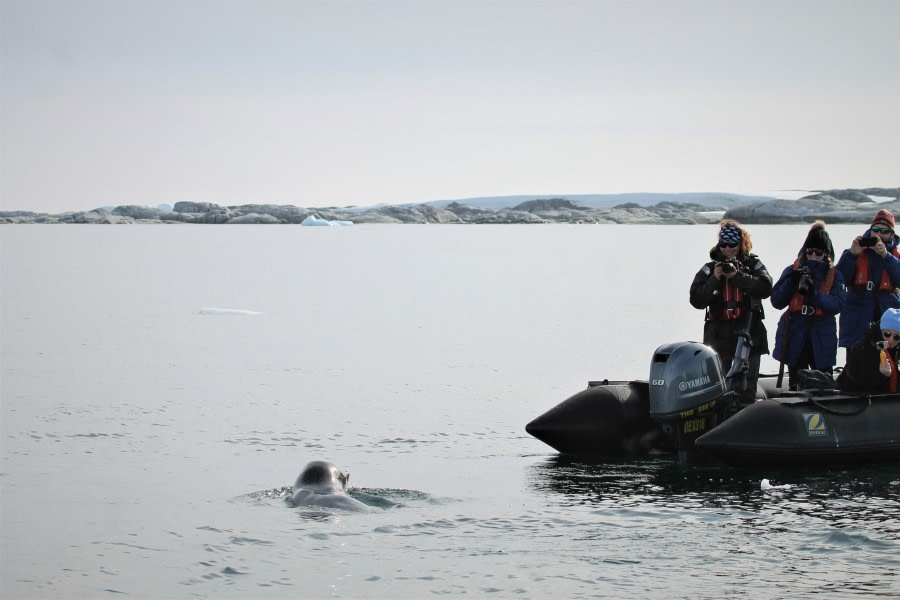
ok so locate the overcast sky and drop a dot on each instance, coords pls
(339, 103)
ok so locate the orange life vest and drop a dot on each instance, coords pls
(798, 301)
(862, 273)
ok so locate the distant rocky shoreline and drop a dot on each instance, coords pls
(834, 206)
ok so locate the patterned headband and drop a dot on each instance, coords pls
(730, 233)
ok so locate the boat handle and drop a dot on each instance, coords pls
(842, 414)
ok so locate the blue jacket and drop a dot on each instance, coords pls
(865, 305)
(794, 328)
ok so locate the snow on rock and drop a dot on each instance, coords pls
(314, 221)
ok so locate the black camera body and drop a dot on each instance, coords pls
(868, 242)
(730, 265)
(805, 282)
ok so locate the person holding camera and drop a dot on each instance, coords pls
(871, 270)
(731, 288)
(813, 292)
(872, 365)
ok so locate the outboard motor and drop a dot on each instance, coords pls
(686, 391)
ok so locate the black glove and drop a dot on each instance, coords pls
(806, 285)
(796, 274)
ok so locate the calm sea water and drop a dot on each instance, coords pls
(139, 436)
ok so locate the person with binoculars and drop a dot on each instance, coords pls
(871, 270)
(730, 289)
(813, 291)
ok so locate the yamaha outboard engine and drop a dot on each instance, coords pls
(686, 391)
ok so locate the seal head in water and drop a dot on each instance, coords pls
(321, 483)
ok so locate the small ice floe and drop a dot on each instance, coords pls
(314, 221)
(227, 311)
(766, 486)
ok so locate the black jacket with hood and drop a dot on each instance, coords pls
(707, 293)
(862, 371)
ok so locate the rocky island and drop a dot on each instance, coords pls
(834, 206)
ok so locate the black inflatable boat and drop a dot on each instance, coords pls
(688, 407)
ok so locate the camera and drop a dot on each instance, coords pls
(805, 284)
(730, 266)
(868, 242)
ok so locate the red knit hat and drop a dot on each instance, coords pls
(884, 217)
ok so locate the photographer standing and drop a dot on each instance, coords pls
(871, 270)
(813, 292)
(731, 288)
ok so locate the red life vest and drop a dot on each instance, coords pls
(893, 385)
(798, 302)
(862, 273)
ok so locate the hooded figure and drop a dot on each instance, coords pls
(871, 270)
(813, 292)
(872, 365)
(730, 289)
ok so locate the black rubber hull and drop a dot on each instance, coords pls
(606, 418)
(795, 429)
(800, 431)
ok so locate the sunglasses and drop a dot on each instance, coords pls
(816, 251)
(888, 335)
(729, 244)
(877, 229)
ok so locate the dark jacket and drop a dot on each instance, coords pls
(861, 372)
(865, 305)
(795, 328)
(706, 293)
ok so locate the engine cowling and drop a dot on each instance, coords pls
(687, 385)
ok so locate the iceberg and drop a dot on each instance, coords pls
(227, 311)
(766, 486)
(314, 221)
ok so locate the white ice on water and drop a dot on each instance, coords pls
(227, 311)
(766, 486)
